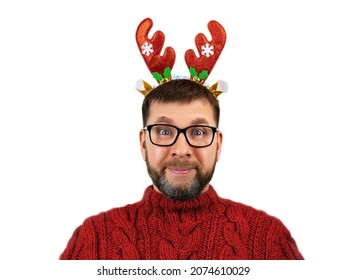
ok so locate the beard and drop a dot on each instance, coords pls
(180, 191)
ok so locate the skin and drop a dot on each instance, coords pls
(181, 116)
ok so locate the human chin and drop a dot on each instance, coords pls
(180, 191)
(180, 188)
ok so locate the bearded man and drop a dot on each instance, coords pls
(181, 215)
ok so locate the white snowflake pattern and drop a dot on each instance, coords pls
(147, 49)
(207, 50)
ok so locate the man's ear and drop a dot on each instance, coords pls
(142, 136)
(219, 144)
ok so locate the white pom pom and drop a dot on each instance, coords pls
(222, 86)
(140, 86)
(143, 87)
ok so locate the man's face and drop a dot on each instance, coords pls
(180, 171)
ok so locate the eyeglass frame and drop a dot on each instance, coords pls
(179, 131)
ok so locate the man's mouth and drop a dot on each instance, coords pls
(180, 171)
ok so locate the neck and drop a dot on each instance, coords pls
(186, 195)
(204, 189)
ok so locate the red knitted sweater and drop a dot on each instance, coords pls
(207, 227)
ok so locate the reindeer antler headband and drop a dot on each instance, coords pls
(199, 67)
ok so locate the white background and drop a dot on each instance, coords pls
(70, 115)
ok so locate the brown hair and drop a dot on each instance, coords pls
(182, 91)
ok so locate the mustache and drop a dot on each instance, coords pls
(181, 164)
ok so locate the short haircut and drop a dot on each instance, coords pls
(181, 91)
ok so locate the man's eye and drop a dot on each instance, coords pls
(164, 132)
(198, 132)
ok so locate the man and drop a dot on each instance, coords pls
(181, 216)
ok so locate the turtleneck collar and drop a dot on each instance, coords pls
(208, 200)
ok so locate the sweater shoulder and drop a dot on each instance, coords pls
(112, 215)
(248, 213)
(95, 230)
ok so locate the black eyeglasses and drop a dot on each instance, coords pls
(198, 136)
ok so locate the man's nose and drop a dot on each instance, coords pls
(181, 148)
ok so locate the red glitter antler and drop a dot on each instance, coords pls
(159, 66)
(209, 51)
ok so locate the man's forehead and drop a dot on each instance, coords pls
(198, 104)
(198, 111)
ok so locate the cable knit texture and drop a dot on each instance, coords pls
(207, 227)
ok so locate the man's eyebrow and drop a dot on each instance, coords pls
(196, 121)
(164, 119)
(199, 121)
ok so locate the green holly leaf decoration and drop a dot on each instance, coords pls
(203, 74)
(193, 71)
(167, 72)
(157, 76)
